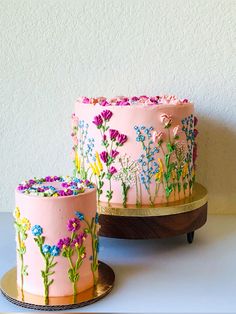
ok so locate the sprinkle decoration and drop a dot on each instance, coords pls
(135, 100)
(41, 186)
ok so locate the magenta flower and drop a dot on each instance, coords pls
(78, 240)
(62, 243)
(104, 103)
(49, 179)
(97, 120)
(112, 170)
(114, 153)
(73, 224)
(113, 134)
(135, 98)
(124, 103)
(104, 156)
(104, 137)
(106, 114)
(86, 100)
(121, 139)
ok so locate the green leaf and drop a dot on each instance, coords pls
(43, 273)
(52, 265)
(76, 278)
(185, 185)
(169, 147)
(36, 240)
(169, 189)
(167, 159)
(179, 173)
(50, 273)
(50, 282)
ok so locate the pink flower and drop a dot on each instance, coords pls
(112, 170)
(85, 100)
(166, 120)
(97, 120)
(75, 140)
(104, 156)
(157, 137)
(121, 139)
(176, 131)
(114, 153)
(113, 134)
(106, 114)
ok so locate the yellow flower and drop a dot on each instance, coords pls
(159, 174)
(55, 195)
(99, 163)
(17, 213)
(185, 170)
(93, 169)
(25, 223)
(96, 169)
(77, 162)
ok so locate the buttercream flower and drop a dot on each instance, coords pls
(106, 114)
(114, 153)
(75, 140)
(17, 213)
(64, 243)
(46, 248)
(121, 139)
(25, 223)
(112, 170)
(85, 100)
(80, 216)
(166, 120)
(124, 103)
(135, 98)
(104, 156)
(73, 224)
(113, 134)
(78, 240)
(97, 120)
(104, 103)
(37, 230)
(176, 131)
(55, 250)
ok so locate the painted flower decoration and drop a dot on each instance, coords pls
(166, 120)
(73, 224)
(79, 215)
(106, 114)
(37, 230)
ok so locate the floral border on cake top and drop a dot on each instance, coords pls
(129, 101)
(69, 186)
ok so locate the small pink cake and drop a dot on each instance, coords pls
(56, 234)
(139, 151)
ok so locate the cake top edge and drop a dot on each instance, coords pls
(134, 100)
(54, 186)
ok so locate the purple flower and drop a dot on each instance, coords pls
(73, 224)
(97, 120)
(114, 153)
(104, 156)
(61, 193)
(49, 179)
(113, 134)
(62, 243)
(121, 139)
(78, 240)
(31, 182)
(112, 170)
(195, 132)
(106, 114)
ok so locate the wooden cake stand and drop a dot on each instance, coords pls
(175, 218)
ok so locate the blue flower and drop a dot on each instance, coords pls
(55, 251)
(37, 230)
(79, 215)
(96, 218)
(46, 248)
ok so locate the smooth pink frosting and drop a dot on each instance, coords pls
(52, 214)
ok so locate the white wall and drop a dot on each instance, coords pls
(53, 51)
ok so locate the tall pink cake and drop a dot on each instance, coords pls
(56, 234)
(139, 151)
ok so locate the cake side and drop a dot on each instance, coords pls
(141, 153)
(56, 237)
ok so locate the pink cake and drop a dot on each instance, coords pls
(56, 234)
(139, 151)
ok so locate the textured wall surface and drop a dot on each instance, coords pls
(52, 51)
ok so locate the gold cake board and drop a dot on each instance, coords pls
(12, 293)
(160, 221)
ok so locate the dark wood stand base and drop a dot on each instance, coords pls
(151, 227)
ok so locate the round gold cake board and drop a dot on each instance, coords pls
(165, 220)
(9, 289)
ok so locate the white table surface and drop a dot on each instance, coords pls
(161, 276)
